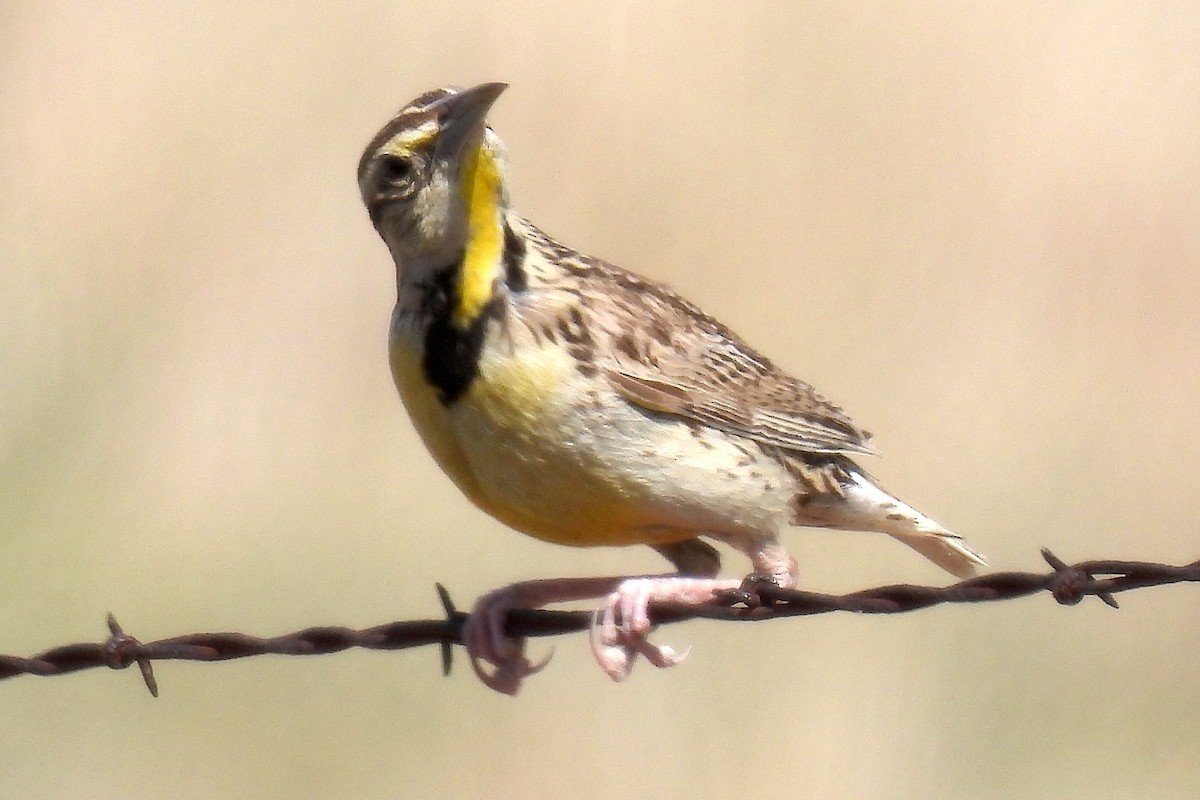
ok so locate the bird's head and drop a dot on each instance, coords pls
(433, 178)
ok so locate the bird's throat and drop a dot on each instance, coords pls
(482, 259)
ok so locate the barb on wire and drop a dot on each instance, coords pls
(756, 600)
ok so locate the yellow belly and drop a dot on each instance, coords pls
(561, 457)
(511, 444)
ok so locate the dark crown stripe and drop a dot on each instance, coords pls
(412, 115)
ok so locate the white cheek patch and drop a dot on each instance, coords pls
(439, 212)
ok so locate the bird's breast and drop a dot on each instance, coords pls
(504, 434)
(552, 450)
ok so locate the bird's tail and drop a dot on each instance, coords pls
(902, 521)
(946, 549)
(868, 507)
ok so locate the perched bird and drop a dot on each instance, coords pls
(585, 405)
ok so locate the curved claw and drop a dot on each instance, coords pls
(507, 675)
(663, 655)
(614, 657)
(617, 646)
(487, 642)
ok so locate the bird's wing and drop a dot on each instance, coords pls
(677, 360)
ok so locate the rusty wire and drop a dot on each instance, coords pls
(1069, 584)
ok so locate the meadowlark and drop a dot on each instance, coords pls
(585, 405)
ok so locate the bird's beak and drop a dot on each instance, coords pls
(462, 118)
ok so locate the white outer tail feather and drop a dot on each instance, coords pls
(875, 510)
(945, 549)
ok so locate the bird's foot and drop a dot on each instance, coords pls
(488, 644)
(620, 627)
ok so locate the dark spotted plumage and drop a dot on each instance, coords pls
(665, 354)
(585, 405)
(514, 261)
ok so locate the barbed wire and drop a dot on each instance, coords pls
(755, 601)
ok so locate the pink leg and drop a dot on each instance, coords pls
(616, 645)
(486, 640)
(620, 625)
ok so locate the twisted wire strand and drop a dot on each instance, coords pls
(755, 601)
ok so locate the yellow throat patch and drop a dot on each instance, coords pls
(480, 188)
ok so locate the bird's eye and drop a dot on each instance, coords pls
(396, 169)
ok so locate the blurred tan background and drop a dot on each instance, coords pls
(976, 226)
